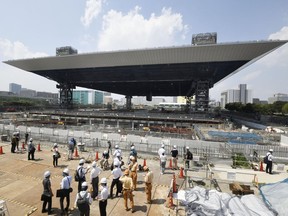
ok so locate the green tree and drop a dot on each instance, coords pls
(285, 108)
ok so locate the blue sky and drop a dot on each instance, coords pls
(34, 28)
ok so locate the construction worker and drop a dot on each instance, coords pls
(133, 166)
(94, 179)
(117, 159)
(104, 160)
(188, 157)
(117, 151)
(148, 179)
(103, 196)
(83, 200)
(13, 143)
(163, 159)
(174, 154)
(81, 170)
(133, 152)
(31, 149)
(65, 185)
(47, 193)
(269, 161)
(161, 150)
(117, 173)
(127, 185)
(109, 147)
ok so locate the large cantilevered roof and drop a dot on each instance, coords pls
(170, 71)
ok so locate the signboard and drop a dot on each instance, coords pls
(204, 38)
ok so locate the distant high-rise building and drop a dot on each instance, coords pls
(99, 97)
(15, 88)
(278, 97)
(243, 95)
(27, 92)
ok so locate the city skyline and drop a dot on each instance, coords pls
(98, 25)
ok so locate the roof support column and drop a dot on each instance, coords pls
(202, 95)
(128, 102)
(66, 95)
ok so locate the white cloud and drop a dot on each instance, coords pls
(16, 50)
(92, 10)
(133, 30)
(280, 35)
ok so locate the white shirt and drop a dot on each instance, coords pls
(160, 151)
(116, 172)
(270, 156)
(81, 171)
(163, 158)
(116, 151)
(66, 182)
(94, 173)
(116, 160)
(104, 193)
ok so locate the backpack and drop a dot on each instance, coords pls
(265, 159)
(76, 176)
(82, 203)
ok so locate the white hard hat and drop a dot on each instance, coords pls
(82, 161)
(187, 147)
(116, 146)
(118, 154)
(94, 164)
(66, 170)
(270, 150)
(103, 181)
(162, 145)
(47, 174)
(55, 144)
(132, 147)
(84, 184)
(105, 152)
(116, 163)
(31, 139)
(174, 146)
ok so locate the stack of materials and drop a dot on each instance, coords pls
(201, 201)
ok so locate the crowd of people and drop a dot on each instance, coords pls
(124, 181)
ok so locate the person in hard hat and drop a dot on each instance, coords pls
(81, 173)
(117, 173)
(65, 185)
(127, 185)
(148, 179)
(109, 146)
(269, 164)
(103, 196)
(17, 140)
(163, 159)
(174, 154)
(94, 179)
(133, 152)
(161, 150)
(133, 166)
(104, 162)
(13, 142)
(117, 151)
(83, 200)
(47, 193)
(188, 157)
(31, 149)
(117, 159)
(71, 147)
(56, 154)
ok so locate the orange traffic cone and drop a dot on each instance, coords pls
(261, 166)
(170, 201)
(170, 164)
(97, 156)
(76, 153)
(174, 184)
(144, 162)
(1, 150)
(39, 149)
(181, 174)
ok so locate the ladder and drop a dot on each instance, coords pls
(3, 208)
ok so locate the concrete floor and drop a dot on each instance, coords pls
(21, 182)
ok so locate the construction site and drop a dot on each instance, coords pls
(234, 172)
